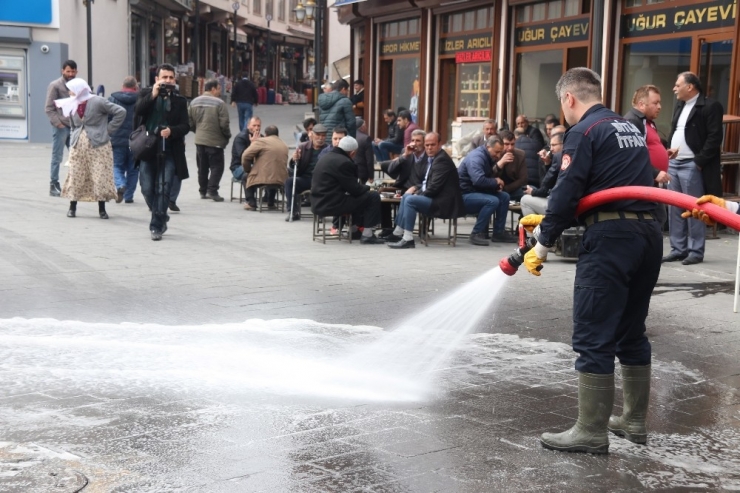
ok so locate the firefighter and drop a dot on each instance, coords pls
(618, 264)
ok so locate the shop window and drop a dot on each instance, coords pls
(413, 27)
(393, 30)
(537, 74)
(555, 9)
(270, 7)
(403, 29)
(281, 10)
(484, 18)
(523, 13)
(469, 20)
(657, 63)
(257, 7)
(172, 41)
(639, 3)
(406, 84)
(292, 5)
(714, 69)
(538, 12)
(572, 7)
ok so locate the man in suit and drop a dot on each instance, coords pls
(694, 169)
(439, 194)
(335, 191)
(264, 161)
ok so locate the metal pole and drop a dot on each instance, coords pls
(269, 74)
(233, 60)
(89, 44)
(196, 39)
(318, 59)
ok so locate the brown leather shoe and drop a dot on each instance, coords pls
(248, 207)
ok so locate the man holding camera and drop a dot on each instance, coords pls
(164, 113)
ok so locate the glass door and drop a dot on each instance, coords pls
(715, 59)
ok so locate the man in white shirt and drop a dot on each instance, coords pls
(694, 168)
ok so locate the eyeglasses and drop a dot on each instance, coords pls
(556, 144)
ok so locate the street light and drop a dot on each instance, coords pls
(313, 11)
(234, 6)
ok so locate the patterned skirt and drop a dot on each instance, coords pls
(90, 175)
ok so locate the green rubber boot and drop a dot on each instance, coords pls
(636, 390)
(589, 434)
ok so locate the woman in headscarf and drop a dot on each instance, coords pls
(90, 176)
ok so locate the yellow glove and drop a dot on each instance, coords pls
(531, 221)
(533, 259)
(701, 215)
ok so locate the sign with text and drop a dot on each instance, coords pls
(400, 47)
(566, 31)
(30, 13)
(478, 56)
(709, 15)
(455, 44)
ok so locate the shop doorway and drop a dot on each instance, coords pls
(385, 96)
(715, 59)
(448, 99)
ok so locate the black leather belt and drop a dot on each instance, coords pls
(612, 216)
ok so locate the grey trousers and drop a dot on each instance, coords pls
(687, 235)
(533, 205)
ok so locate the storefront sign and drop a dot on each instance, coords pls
(710, 15)
(30, 13)
(455, 44)
(554, 32)
(400, 47)
(477, 56)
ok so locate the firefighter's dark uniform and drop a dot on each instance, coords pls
(620, 253)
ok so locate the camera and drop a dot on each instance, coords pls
(166, 89)
(45, 49)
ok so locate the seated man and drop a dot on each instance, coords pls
(483, 193)
(530, 148)
(393, 143)
(336, 135)
(250, 133)
(534, 200)
(303, 163)
(364, 158)
(264, 161)
(303, 136)
(522, 122)
(335, 191)
(438, 196)
(512, 167)
(489, 130)
(407, 125)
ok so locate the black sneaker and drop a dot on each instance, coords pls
(503, 237)
(203, 196)
(478, 239)
(215, 197)
(173, 207)
(54, 189)
(371, 240)
(156, 235)
(129, 201)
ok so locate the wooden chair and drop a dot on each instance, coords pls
(241, 184)
(426, 230)
(321, 223)
(262, 194)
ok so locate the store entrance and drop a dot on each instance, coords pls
(385, 96)
(715, 59)
(448, 98)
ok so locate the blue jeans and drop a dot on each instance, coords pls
(245, 114)
(175, 188)
(238, 173)
(687, 235)
(408, 208)
(485, 204)
(59, 139)
(156, 184)
(124, 172)
(383, 149)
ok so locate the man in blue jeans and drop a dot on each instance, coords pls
(59, 123)
(125, 174)
(165, 113)
(244, 97)
(483, 193)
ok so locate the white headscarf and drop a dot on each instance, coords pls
(82, 93)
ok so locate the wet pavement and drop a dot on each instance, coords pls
(209, 362)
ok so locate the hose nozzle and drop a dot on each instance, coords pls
(509, 265)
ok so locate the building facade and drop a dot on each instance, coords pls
(475, 60)
(132, 37)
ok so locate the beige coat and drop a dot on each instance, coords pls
(270, 158)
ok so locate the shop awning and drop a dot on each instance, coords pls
(340, 3)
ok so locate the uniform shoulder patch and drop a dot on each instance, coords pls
(565, 162)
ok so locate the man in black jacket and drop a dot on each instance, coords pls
(694, 166)
(393, 143)
(335, 191)
(124, 171)
(164, 113)
(303, 164)
(244, 97)
(241, 142)
(534, 200)
(439, 194)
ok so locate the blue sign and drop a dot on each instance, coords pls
(26, 12)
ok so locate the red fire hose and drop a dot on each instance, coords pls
(654, 194)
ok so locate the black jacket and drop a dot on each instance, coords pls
(530, 148)
(395, 134)
(176, 119)
(334, 186)
(535, 134)
(443, 187)
(551, 177)
(406, 171)
(126, 100)
(238, 146)
(244, 92)
(704, 137)
(364, 157)
(305, 160)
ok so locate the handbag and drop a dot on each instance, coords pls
(143, 145)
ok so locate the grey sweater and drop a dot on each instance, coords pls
(96, 122)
